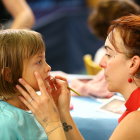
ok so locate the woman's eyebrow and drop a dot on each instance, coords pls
(107, 47)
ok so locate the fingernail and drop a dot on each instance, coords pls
(54, 80)
(47, 83)
(17, 86)
(19, 97)
(20, 80)
(36, 73)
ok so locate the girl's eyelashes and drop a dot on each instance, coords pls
(41, 61)
(38, 63)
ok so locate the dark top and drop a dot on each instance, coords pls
(4, 15)
(137, 2)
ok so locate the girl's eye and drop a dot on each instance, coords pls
(38, 62)
(108, 55)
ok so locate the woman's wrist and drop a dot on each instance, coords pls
(55, 130)
(48, 127)
(64, 115)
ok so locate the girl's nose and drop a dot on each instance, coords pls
(102, 63)
(47, 68)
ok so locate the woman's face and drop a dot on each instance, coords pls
(115, 65)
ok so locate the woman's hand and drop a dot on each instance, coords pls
(60, 93)
(42, 106)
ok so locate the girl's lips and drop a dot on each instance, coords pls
(48, 78)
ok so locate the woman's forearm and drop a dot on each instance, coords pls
(70, 128)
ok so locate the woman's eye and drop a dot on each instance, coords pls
(108, 55)
(38, 62)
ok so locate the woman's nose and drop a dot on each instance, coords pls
(102, 63)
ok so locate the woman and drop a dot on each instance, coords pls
(121, 64)
(99, 21)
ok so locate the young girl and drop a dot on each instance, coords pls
(21, 53)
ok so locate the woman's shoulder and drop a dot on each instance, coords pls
(128, 128)
(133, 116)
(132, 123)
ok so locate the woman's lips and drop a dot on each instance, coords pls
(105, 76)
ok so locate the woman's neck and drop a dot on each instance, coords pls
(15, 101)
(127, 92)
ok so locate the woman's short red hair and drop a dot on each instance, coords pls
(129, 28)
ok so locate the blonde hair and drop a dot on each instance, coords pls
(16, 45)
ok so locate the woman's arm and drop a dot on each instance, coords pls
(21, 12)
(70, 128)
(63, 105)
(52, 111)
(44, 109)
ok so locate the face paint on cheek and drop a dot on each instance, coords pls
(111, 59)
(115, 55)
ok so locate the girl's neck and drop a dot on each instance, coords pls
(15, 101)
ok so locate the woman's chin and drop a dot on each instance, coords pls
(110, 89)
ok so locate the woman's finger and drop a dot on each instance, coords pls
(26, 99)
(41, 84)
(62, 84)
(30, 90)
(62, 78)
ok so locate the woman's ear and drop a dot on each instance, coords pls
(135, 64)
(7, 74)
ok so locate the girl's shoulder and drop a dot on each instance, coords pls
(9, 111)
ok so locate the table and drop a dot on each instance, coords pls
(93, 125)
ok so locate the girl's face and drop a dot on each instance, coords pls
(36, 63)
(115, 65)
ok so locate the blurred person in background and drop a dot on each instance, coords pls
(19, 10)
(137, 1)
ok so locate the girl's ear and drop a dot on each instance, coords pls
(7, 74)
(135, 64)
